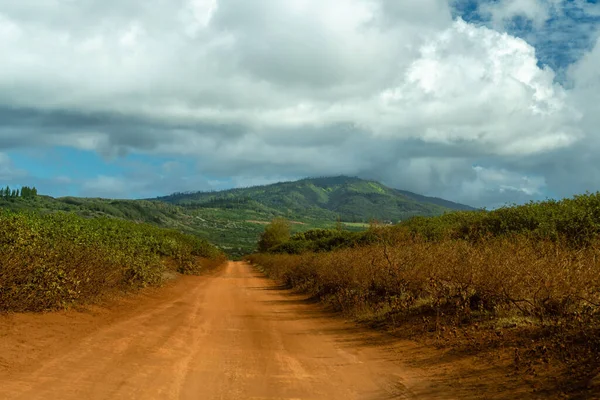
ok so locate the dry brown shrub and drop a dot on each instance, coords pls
(547, 292)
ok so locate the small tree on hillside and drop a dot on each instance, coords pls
(339, 226)
(277, 232)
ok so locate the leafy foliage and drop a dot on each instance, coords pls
(235, 231)
(25, 192)
(575, 221)
(54, 260)
(276, 233)
(322, 240)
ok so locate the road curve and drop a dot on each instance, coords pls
(232, 335)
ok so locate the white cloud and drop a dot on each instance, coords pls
(8, 172)
(489, 178)
(197, 14)
(503, 11)
(269, 55)
(474, 86)
(495, 187)
(105, 186)
(585, 77)
(381, 88)
(467, 86)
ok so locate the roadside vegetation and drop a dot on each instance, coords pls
(235, 231)
(275, 234)
(56, 260)
(523, 281)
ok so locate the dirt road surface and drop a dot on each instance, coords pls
(232, 335)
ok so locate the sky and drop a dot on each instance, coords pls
(477, 101)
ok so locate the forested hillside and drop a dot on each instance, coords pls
(351, 199)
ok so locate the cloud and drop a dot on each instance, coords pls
(475, 86)
(145, 178)
(560, 30)
(263, 90)
(266, 55)
(496, 187)
(502, 12)
(105, 186)
(8, 172)
(577, 169)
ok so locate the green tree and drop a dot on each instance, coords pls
(277, 232)
(28, 192)
(339, 226)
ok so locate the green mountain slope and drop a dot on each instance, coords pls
(235, 231)
(351, 199)
(228, 229)
(234, 219)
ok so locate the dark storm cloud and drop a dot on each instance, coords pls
(27, 127)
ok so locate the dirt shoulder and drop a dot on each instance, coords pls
(29, 339)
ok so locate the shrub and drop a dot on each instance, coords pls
(547, 281)
(538, 263)
(52, 261)
(575, 221)
(277, 232)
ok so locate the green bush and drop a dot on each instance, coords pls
(54, 260)
(575, 221)
(276, 233)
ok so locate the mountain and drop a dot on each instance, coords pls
(234, 219)
(234, 231)
(351, 199)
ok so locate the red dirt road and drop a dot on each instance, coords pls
(232, 335)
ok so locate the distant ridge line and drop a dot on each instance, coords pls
(328, 197)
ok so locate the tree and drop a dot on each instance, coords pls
(28, 192)
(339, 226)
(277, 232)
